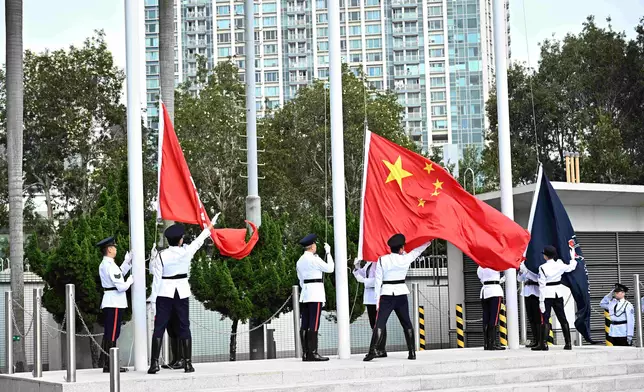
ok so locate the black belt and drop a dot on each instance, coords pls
(553, 283)
(313, 281)
(491, 282)
(179, 276)
(393, 281)
(531, 283)
(618, 322)
(109, 288)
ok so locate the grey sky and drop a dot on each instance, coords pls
(57, 24)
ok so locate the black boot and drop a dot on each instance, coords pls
(535, 332)
(496, 345)
(377, 338)
(381, 350)
(409, 338)
(177, 359)
(486, 338)
(313, 355)
(103, 359)
(544, 332)
(186, 349)
(154, 355)
(305, 344)
(565, 328)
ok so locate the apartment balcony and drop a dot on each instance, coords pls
(202, 42)
(405, 16)
(405, 31)
(296, 9)
(191, 44)
(400, 3)
(303, 65)
(407, 60)
(412, 102)
(297, 51)
(296, 23)
(400, 85)
(415, 131)
(299, 80)
(414, 116)
(297, 37)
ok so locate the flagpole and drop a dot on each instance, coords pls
(337, 176)
(133, 50)
(505, 164)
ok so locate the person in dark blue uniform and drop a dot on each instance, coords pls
(173, 292)
(392, 293)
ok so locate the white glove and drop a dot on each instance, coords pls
(128, 257)
(327, 248)
(216, 218)
(522, 268)
(356, 263)
(502, 280)
(630, 340)
(542, 307)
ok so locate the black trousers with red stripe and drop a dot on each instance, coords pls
(112, 320)
(393, 303)
(310, 315)
(491, 308)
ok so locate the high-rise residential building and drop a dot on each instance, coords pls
(436, 55)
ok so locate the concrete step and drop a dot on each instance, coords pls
(621, 383)
(493, 378)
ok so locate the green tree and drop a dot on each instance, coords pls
(253, 287)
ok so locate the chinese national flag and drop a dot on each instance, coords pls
(178, 199)
(409, 194)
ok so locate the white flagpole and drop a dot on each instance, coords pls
(337, 176)
(505, 164)
(133, 19)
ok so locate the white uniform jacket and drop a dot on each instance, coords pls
(550, 274)
(622, 316)
(367, 276)
(393, 268)
(531, 283)
(491, 281)
(310, 267)
(171, 262)
(112, 279)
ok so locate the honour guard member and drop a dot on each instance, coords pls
(173, 292)
(531, 294)
(114, 300)
(622, 316)
(491, 297)
(391, 291)
(173, 324)
(367, 276)
(310, 270)
(551, 296)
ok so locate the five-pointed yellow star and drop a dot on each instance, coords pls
(436, 193)
(396, 172)
(421, 203)
(429, 167)
(438, 184)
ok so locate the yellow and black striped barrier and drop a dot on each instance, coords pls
(460, 327)
(551, 336)
(607, 327)
(503, 327)
(421, 326)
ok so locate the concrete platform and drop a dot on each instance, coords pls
(592, 368)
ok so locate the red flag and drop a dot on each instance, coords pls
(409, 194)
(178, 199)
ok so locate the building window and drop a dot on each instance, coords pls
(374, 43)
(270, 62)
(474, 38)
(373, 2)
(269, 7)
(151, 2)
(374, 71)
(323, 45)
(223, 24)
(440, 110)
(323, 73)
(437, 82)
(323, 60)
(271, 76)
(150, 27)
(436, 10)
(354, 15)
(151, 42)
(436, 67)
(152, 69)
(152, 83)
(240, 37)
(354, 30)
(437, 52)
(240, 50)
(472, 23)
(270, 49)
(355, 44)
(223, 38)
(439, 124)
(355, 58)
(152, 55)
(272, 91)
(437, 96)
(372, 15)
(373, 29)
(436, 39)
(320, 4)
(239, 9)
(270, 35)
(223, 52)
(150, 14)
(223, 10)
(270, 21)
(323, 18)
(435, 24)
(374, 56)
(323, 31)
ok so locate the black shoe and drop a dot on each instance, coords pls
(535, 331)
(154, 356)
(409, 338)
(186, 349)
(305, 344)
(377, 338)
(565, 328)
(313, 355)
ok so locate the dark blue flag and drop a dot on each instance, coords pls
(550, 225)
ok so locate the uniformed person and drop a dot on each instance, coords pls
(310, 270)
(114, 300)
(391, 291)
(491, 296)
(367, 275)
(173, 292)
(173, 325)
(551, 296)
(622, 316)
(531, 294)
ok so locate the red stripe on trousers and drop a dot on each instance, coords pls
(498, 311)
(116, 315)
(317, 318)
